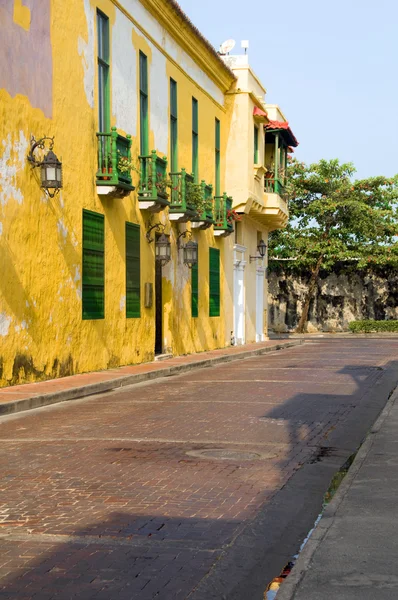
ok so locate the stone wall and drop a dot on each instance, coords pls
(344, 295)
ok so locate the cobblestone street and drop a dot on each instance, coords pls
(112, 498)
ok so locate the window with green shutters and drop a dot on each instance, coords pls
(214, 282)
(93, 296)
(133, 273)
(103, 72)
(217, 158)
(195, 289)
(143, 104)
(173, 127)
(195, 140)
(255, 145)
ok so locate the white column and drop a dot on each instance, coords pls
(239, 294)
(260, 275)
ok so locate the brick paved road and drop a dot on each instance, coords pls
(106, 498)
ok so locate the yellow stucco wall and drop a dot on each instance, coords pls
(42, 333)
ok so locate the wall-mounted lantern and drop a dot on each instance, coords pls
(190, 249)
(162, 243)
(261, 249)
(50, 166)
(163, 249)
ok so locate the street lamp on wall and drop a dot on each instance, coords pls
(190, 249)
(50, 166)
(162, 243)
(163, 249)
(261, 249)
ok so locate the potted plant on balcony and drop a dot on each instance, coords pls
(232, 216)
(194, 195)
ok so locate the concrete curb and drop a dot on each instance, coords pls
(289, 587)
(7, 408)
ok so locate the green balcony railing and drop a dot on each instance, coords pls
(179, 199)
(222, 211)
(273, 186)
(114, 151)
(204, 211)
(154, 183)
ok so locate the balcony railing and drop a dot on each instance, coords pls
(274, 186)
(180, 201)
(154, 183)
(222, 211)
(114, 160)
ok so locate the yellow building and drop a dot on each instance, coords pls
(256, 156)
(141, 112)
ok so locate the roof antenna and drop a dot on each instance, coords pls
(245, 44)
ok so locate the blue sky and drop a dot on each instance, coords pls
(331, 66)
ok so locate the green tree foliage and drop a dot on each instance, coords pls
(334, 218)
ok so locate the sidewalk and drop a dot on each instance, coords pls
(33, 395)
(352, 553)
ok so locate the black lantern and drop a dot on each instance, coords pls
(261, 249)
(163, 249)
(50, 166)
(190, 254)
(51, 174)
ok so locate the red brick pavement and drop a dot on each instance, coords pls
(105, 498)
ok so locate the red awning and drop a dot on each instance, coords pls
(257, 112)
(287, 133)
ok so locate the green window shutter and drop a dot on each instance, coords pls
(195, 140)
(103, 72)
(217, 158)
(143, 104)
(255, 145)
(93, 296)
(195, 290)
(214, 282)
(173, 127)
(133, 273)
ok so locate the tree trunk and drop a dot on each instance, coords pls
(311, 287)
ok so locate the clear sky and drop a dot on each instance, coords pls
(332, 66)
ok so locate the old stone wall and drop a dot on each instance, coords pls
(344, 295)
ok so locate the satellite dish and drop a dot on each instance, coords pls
(227, 46)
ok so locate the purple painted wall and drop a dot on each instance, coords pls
(26, 56)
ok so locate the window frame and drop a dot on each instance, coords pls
(103, 65)
(217, 152)
(173, 126)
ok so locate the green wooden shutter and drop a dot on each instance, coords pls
(93, 297)
(144, 137)
(195, 290)
(195, 140)
(133, 284)
(173, 127)
(217, 158)
(255, 145)
(214, 282)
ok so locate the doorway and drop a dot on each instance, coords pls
(158, 308)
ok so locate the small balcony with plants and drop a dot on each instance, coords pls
(182, 201)
(224, 216)
(201, 197)
(153, 190)
(113, 176)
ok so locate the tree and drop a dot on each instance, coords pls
(333, 219)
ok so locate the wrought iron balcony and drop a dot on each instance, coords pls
(154, 183)
(223, 221)
(114, 162)
(204, 208)
(181, 206)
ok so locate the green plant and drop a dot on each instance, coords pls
(195, 198)
(371, 326)
(125, 164)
